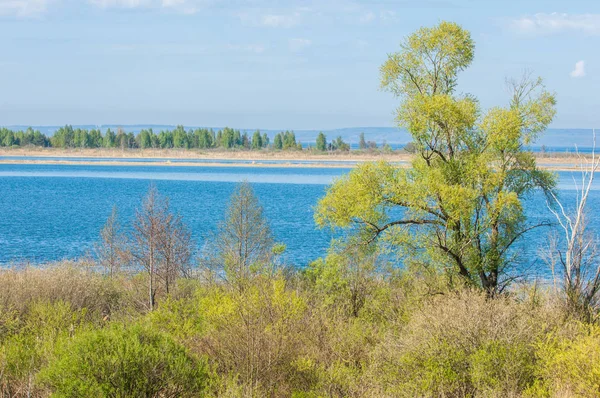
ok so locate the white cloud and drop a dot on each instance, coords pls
(367, 17)
(23, 8)
(297, 45)
(183, 6)
(382, 16)
(579, 70)
(248, 48)
(281, 21)
(542, 23)
(270, 19)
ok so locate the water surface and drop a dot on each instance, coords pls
(51, 212)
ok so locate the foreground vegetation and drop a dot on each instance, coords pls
(70, 331)
(417, 298)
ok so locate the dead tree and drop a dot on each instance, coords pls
(176, 250)
(574, 258)
(111, 247)
(144, 246)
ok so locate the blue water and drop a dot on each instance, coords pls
(51, 212)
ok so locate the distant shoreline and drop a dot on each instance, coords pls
(216, 158)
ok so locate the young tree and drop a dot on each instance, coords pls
(110, 249)
(321, 142)
(244, 243)
(176, 250)
(161, 244)
(459, 206)
(145, 249)
(346, 274)
(575, 259)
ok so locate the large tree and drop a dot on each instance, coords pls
(459, 207)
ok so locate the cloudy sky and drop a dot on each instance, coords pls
(273, 63)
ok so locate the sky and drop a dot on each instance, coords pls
(274, 64)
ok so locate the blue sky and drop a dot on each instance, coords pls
(273, 64)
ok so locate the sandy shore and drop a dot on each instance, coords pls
(215, 158)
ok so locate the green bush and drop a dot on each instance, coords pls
(124, 362)
(461, 345)
(569, 363)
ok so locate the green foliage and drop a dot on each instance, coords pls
(253, 333)
(321, 142)
(123, 362)
(570, 363)
(462, 345)
(459, 206)
(345, 277)
(244, 245)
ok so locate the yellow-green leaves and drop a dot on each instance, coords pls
(503, 128)
(459, 206)
(358, 195)
(429, 61)
(439, 121)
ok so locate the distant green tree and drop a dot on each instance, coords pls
(289, 140)
(245, 141)
(180, 138)
(144, 140)
(257, 140)
(278, 142)
(109, 139)
(265, 140)
(321, 142)
(9, 139)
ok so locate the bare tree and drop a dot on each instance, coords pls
(176, 250)
(145, 241)
(575, 259)
(161, 244)
(110, 249)
(244, 243)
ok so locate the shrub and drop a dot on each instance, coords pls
(73, 283)
(253, 335)
(461, 344)
(570, 363)
(124, 362)
(24, 351)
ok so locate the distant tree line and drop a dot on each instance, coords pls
(23, 138)
(336, 145)
(200, 138)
